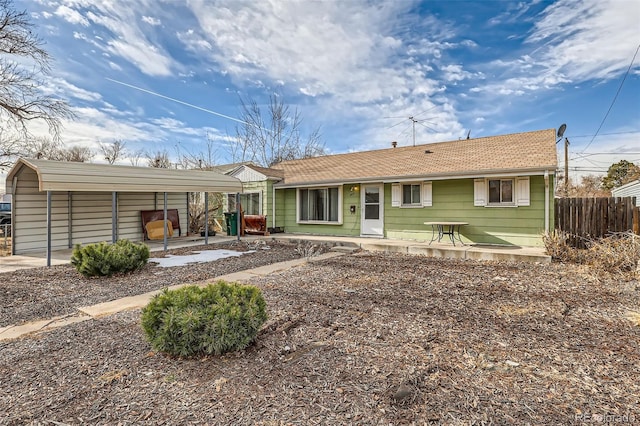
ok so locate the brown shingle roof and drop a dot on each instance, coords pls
(530, 151)
(268, 172)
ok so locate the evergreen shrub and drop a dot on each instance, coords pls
(211, 320)
(103, 259)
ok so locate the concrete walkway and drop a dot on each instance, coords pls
(136, 302)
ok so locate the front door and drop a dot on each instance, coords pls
(372, 201)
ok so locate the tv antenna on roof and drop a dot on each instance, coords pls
(414, 120)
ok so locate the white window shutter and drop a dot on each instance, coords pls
(427, 196)
(479, 192)
(522, 191)
(396, 195)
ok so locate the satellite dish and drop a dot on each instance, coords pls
(561, 130)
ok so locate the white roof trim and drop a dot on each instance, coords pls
(391, 179)
(70, 176)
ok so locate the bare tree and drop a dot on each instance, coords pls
(11, 146)
(77, 154)
(135, 157)
(23, 64)
(42, 147)
(275, 139)
(159, 159)
(590, 186)
(113, 151)
(46, 148)
(204, 159)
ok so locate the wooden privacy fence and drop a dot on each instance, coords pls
(585, 218)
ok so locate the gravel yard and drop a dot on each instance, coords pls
(364, 338)
(42, 293)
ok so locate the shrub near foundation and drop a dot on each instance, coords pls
(103, 259)
(213, 320)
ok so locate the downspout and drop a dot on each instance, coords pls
(546, 201)
(273, 208)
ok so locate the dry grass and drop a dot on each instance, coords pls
(618, 254)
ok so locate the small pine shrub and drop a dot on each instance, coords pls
(103, 259)
(213, 320)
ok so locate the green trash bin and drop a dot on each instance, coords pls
(231, 219)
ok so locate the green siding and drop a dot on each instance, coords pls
(452, 201)
(286, 215)
(265, 187)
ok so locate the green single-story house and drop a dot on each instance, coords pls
(501, 186)
(257, 190)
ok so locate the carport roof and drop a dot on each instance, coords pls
(71, 176)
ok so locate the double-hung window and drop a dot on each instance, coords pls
(501, 192)
(411, 194)
(251, 203)
(319, 205)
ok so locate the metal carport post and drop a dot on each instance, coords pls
(48, 228)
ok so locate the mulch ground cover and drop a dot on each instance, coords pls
(364, 338)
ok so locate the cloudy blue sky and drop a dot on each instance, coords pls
(489, 67)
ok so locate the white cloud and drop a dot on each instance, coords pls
(344, 54)
(579, 41)
(573, 41)
(67, 90)
(151, 20)
(455, 73)
(126, 40)
(72, 16)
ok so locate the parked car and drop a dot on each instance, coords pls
(5, 218)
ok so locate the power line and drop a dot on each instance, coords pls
(184, 103)
(614, 99)
(607, 134)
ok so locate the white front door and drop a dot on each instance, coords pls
(372, 202)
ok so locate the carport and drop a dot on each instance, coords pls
(59, 204)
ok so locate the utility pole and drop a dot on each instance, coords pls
(566, 167)
(413, 120)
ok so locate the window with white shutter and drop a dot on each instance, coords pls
(396, 195)
(523, 191)
(427, 196)
(479, 192)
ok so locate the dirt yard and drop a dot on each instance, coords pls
(362, 339)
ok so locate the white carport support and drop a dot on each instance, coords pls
(206, 218)
(238, 221)
(114, 217)
(48, 228)
(166, 226)
(69, 219)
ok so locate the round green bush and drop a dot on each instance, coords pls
(103, 259)
(215, 319)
